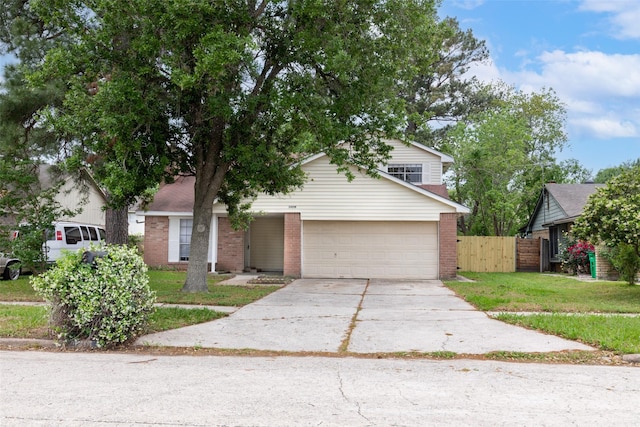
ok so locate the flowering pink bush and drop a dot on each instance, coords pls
(576, 256)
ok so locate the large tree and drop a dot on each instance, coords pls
(25, 197)
(504, 155)
(24, 139)
(442, 93)
(612, 217)
(232, 92)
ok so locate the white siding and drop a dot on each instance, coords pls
(136, 224)
(431, 164)
(327, 195)
(92, 203)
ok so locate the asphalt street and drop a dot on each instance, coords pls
(39, 388)
(100, 389)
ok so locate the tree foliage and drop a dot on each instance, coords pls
(612, 215)
(504, 155)
(442, 94)
(230, 92)
(604, 175)
(26, 35)
(27, 192)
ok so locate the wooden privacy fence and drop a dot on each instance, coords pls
(490, 254)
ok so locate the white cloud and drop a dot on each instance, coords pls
(601, 91)
(592, 74)
(624, 15)
(603, 128)
(468, 4)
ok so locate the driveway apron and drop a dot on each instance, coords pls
(387, 315)
(306, 315)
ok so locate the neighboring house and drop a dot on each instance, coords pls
(559, 205)
(402, 225)
(86, 195)
(136, 222)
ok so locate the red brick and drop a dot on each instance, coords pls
(156, 241)
(292, 245)
(230, 247)
(448, 239)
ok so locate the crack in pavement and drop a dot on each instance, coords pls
(346, 399)
(344, 345)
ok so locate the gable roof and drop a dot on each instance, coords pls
(49, 174)
(175, 197)
(445, 159)
(178, 197)
(571, 198)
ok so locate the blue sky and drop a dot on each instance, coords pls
(587, 51)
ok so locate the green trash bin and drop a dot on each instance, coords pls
(592, 263)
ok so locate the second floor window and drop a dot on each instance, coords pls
(407, 172)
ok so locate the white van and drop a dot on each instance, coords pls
(71, 236)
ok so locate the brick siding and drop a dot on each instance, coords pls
(439, 189)
(604, 269)
(156, 241)
(448, 239)
(230, 247)
(543, 234)
(292, 245)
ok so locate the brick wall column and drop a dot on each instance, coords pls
(156, 241)
(292, 245)
(448, 239)
(230, 247)
(604, 269)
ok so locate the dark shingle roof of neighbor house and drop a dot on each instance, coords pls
(572, 197)
(175, 197)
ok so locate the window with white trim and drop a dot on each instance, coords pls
(185, 238)
(407, 172)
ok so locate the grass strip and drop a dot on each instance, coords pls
(33, 321)
(545, 292)
(620, 334)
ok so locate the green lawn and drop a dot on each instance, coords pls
(559, 297)
(19, 321)
(32, 321)
(167, 286)
(568, 305)
(614, 333)
(545, 292)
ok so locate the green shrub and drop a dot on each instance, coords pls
(107, 302)
(625, 260)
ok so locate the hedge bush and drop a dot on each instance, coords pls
(107, 302)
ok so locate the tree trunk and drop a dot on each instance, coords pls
(210, 172)
(117, 226)
(199, 251)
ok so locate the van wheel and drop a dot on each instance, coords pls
(12, 271)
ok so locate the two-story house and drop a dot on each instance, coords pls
(401, 225)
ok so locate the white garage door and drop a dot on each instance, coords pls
(370, 249)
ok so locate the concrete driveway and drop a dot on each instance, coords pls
(362, 316)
